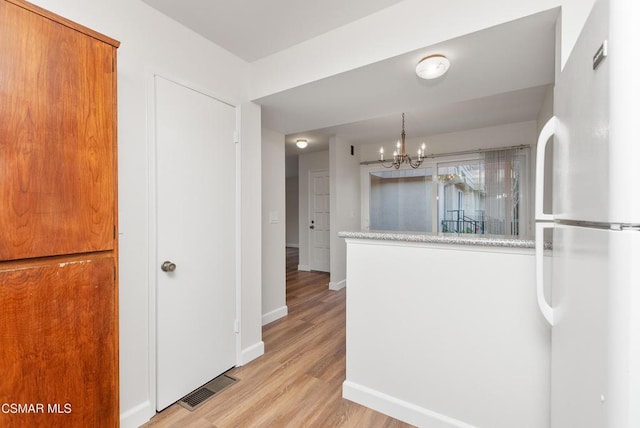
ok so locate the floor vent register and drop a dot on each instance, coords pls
(202, 394)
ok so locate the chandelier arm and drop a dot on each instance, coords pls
(414, 164)
(386, 165)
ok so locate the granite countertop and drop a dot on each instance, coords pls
(444, 238)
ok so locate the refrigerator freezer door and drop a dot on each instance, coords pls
(597, 105)
(581, 106)
(624, 102)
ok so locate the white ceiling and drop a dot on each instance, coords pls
(253, 29)
(498, 75)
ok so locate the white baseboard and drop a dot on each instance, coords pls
(251, 353)
(275, 315)
(138, 415)
(292, 245)
(337, 285)
(305, 268)
(398, 409)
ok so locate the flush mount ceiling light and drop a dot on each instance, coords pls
(301, 143)
(432, 66)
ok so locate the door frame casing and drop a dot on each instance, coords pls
(151, 75)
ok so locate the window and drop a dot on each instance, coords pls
(401, 200)
(483, 193)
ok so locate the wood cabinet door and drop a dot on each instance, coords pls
(57, 138)
(58, 344)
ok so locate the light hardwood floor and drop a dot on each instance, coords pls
(298, 381)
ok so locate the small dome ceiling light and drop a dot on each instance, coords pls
(432, 66)
(301, 143)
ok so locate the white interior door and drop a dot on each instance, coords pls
(319, 221)
(196, 307)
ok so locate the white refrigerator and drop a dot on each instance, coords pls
(593, 298)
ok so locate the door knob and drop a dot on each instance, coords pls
(168, 266)
(312, 227)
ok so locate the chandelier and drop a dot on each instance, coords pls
(400, 155)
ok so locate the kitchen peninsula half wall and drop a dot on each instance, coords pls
(444, 330)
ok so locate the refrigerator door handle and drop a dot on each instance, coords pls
(545, 308)
(547, 132)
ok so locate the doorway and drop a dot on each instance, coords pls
(319, 221)
(195, 249)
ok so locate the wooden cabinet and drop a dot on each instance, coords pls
(57, 137)
(58, 222)
(59, 341)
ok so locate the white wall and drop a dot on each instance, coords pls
(291, 165)
(251, 344)
(398, 29)
(151, 41)
(546, 111)
(292, 197)
(274, 304)
(308, 162)
(433, 350)
(345, 205)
